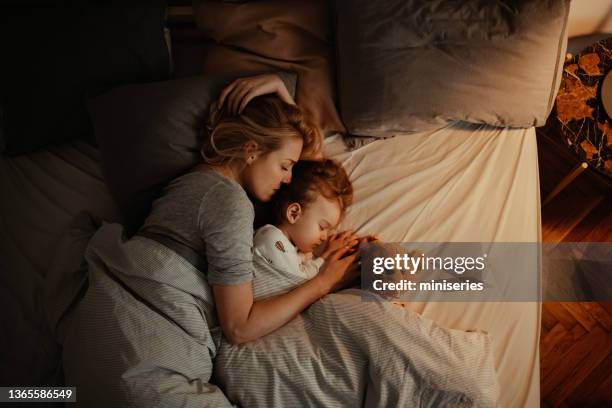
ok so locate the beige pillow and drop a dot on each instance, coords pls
(275, 35)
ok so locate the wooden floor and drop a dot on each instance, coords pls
(576, 340)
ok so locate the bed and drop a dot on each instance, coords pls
(445, 180)
(457, 183)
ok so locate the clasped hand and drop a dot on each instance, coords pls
(346, 241)
(341, 253)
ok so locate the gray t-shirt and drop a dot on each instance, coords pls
(212, 215)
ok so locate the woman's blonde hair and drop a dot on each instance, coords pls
(266, 120)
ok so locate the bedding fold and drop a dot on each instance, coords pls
(140, 335)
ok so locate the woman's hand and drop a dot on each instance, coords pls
(342, 239)
(240, 92)
(339, 270)
(367, 238)
(336, 241)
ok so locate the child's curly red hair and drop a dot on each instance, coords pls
(310, 178)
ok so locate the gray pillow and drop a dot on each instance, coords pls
(149, 134)
(410, 65)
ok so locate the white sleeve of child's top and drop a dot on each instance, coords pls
(311, 267)
(305, 256)
(275, 248)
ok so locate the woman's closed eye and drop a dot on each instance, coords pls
(287, 166)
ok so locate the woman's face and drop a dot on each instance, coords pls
(264, 176)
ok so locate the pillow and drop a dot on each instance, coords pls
(54, 54)
(410, 65)
(292, 35)
(149, 134)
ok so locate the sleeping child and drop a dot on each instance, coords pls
(306, 211)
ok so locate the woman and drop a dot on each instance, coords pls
(250, 147)
(141, 329)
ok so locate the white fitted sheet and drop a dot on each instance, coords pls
(461, 183)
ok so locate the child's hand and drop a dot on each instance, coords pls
(368, 238)
(346, 239)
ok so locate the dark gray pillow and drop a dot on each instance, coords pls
(410, 65)
(149, 134)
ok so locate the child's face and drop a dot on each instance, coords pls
(314, 223)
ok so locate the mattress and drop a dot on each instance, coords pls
(459, 183)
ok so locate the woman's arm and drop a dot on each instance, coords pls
(226, 224)
(244, 320)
